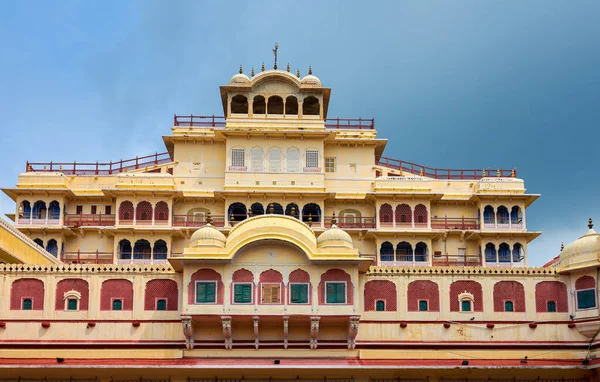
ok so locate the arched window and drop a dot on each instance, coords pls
(380, 306)
(502, 215)
(423, 306)
(39, 242)
(257, 159)
(551, 306)
(516, 216)
(404, 252)
(421, 252)
(386, 252)
(465, 306)
(310, 106)
(257, 209)
(312, 212)
(117, 304)
(585, 292)
(39, 210)
(161, 304)
(274, 159)
(292, 158)
(275, 105)
(160, 250)
(291, 105)
(143, 212)
(25, 209)
(237, 212)
(54, 210)
(275, 208)
(420, 215)
(509, 306)
(27, 304)
(52, 247)
(258, 105)
(161, 212)
(196, 217)
(386, 215)
(489, 216)
(504, 253)
(490, 253)
(517, 253)
(239, 104)
(403, 215)
(126, 212)
(292, 210)
(142, 250)
(349, 219)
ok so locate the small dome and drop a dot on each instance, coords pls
(208, 235)
(311, 82)
(239, 80)
(583, 252)
(335, 237)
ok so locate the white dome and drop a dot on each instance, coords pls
(239, 80)
(208, 235)
(335, 237)
(311, 81)
(582, 252)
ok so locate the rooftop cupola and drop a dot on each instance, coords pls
(583, 252)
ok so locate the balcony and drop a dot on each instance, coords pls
(456, 261)
(89, 220)
(144, 222)
(212, 121)
(143, 261)
(197, 221)
(461, 223)
(404, 260)
(502, 224)
(145, 257)
(38, 220)
(79, 257)
(346, 222)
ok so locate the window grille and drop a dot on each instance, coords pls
(257, 160)
(330, 164)
(238, 157)
(293, 160)
(274, 160)
(312, 159)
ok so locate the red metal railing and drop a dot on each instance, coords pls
(80, 220)
(99, 168)
(196, 221)
(350, 123)
(80, 257)
(199, 120)
(442, 173)
(351, 223)
(455, 223)
(456, 260)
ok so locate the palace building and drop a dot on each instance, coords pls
(276, 243)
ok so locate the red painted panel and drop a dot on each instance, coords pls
(161, 289)
(117, 288)
(585, 282)
(551, 291)
(468, 286)
(509, 291)
(423, 290)
(27, 288)
(242, 275)
(206, 274)
(380, 290)
(299, 276)
(78, 285)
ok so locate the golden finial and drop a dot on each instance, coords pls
(483, 173)
(231, 217)
(262, 67)
(421, 172)
(298, 73)
(275, 54)
(60, 168)
(590, 223)
(209, 219)
(310, 70)
(562, 246)
(271, 208)
(44, 167)
(20, 211)
(310, 220)
(288, 68)
(252, 71)
(498, 173)
(250, 214)
(241, 70)
(293, 211)
(513, 174)
(333, 219)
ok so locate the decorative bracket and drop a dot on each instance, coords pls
(285, 331)
(353, 331)
(314, 332)
(188, 331)
(226, 321)
(255, 319)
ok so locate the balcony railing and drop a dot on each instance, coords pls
(33, 220)
(99, 168)
(143, 261)
(198, 120)
(502, 224)
(404, 260)
(85, 220)
(197, 221)
(456, 261)
(352, 222)
(83, 257)
(350, 123)
(443, 173)
(455, 223)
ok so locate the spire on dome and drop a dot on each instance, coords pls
(333, 219)
(241, 70)
(590, 223)
(310, 70)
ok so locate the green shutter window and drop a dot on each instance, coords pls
(508, 306)
(336, 293)
(242, 293)
(161, 305)
(206, 292)
(299, 294)
(27, 304)
(586, 299)
(380, 306)
(71, 304)
(117, 305)
(423, 306)
(551, 306)
(465, 306)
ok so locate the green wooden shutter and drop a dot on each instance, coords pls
(341, 293)
(71, 304)
(210, 292)
(242, 294)
(299, 294)
(27, 304)
(161, 305)
(331, 296)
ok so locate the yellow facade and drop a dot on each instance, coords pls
(274, 242)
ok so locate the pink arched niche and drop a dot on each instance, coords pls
(380, 290)
(116, 289)
(336, 275)
(161, 289)
(205, 274)
(66, 285)
(27, 288)
(423, 290)
(271, 276)
(472, 287)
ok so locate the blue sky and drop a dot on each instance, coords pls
(459, 84)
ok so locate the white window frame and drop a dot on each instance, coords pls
(345, 293)
(514, 306)
(72, 295)
(419, 305)
(196, 292)
(23, 300)
(384, 305)
(157, 299)
(327, 165)
(112, 300)
(236, 155)
(307, 292)
(466, 297)
(280, 293)
(251, 293)
(309, 165)
(576, 300)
